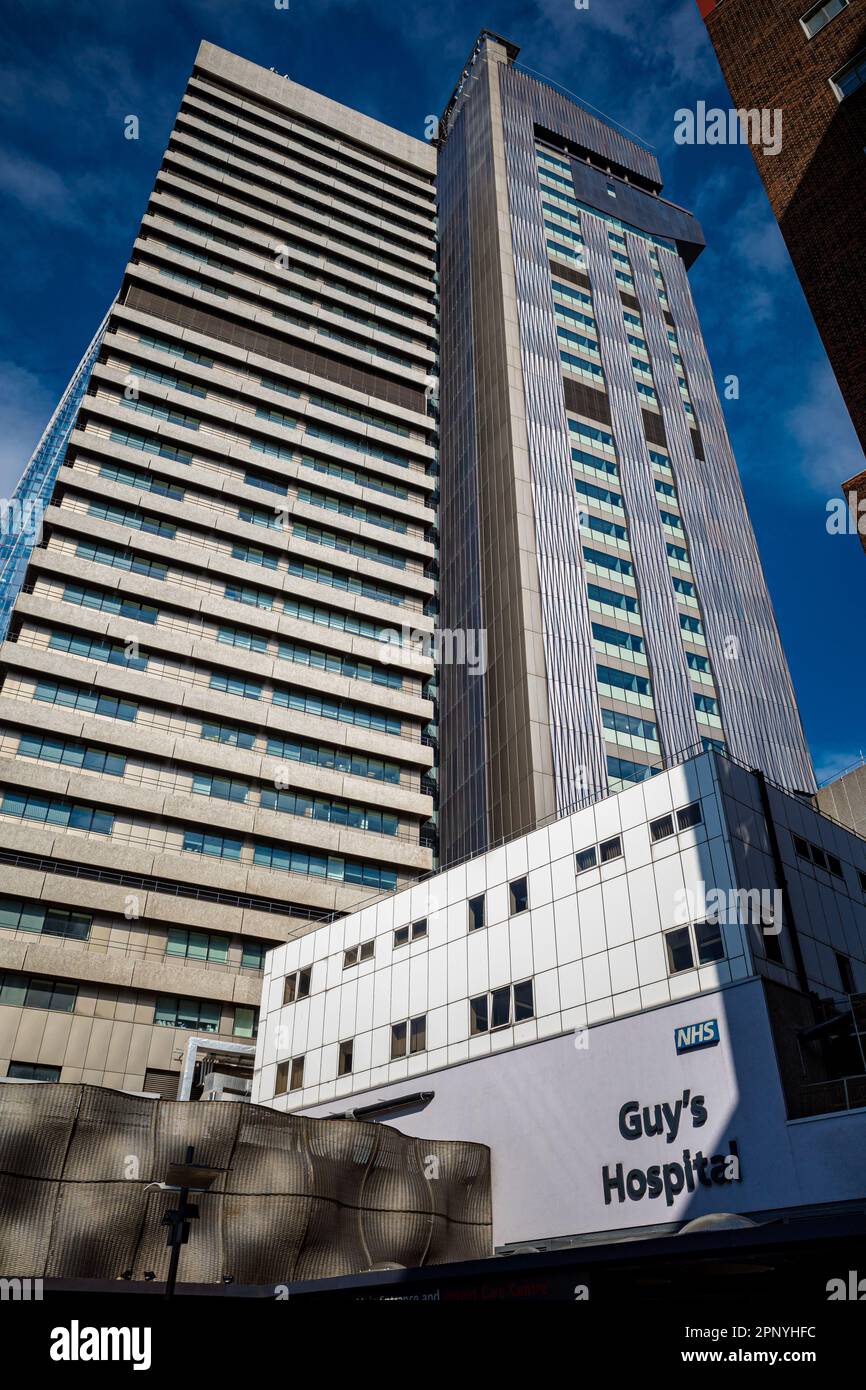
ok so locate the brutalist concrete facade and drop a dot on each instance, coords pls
(798, 58)
(592, 515)
(214, 728)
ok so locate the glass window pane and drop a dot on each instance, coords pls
(679, 949)
(500, 1000)
(710, 944)
(398, 1040)
(478, 1014)
(524, 1006)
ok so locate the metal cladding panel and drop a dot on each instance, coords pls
(463, 731)
(639, 209)
(759, 708)
(463, 792)
(562, 116)
(576, 732)
(672, 688)
(296, 1198)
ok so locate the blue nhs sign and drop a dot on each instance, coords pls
(695, 1035)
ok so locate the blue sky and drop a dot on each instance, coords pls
(73, 190)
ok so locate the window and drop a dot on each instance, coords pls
(32, 1071)
(511, 1003)
(661, 829)
(290, 1076)
(253, 955)
(835, 866)
(689, 816)
(518, 892)
(679, 949)
(34, 992)
(216, 846)
(197, 1015)
(477, 917)
(417, 931)
(818, 857)
(773, 948)
(851, 77)
(701, 944)
(524, 1004)
(196, 945)
(585, 859)
(246, 1022)
(801, 847)
(813, 20)
(296, 986)
(19, 914)
(611, 191)
(862, 877)
(358, 953)
(412, 1033)
(610, 849)
(344, 1063)
(846, 974)
(708, 937)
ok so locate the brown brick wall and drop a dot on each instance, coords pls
(817, 183)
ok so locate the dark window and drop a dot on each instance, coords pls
(801, 847)
(814, 19)
(524, 1004)
(418, 1033)
(401, 936)
(296, 986)
(689, 816)
(773, 948)
(419, 928)
(290, 1076)
(344, 1065)
(32, 1071)
(478, 1014)
(818, 856)
(296, 1080)
(585, 859)
(846, 974)
(518, 891)
(708, 937)
(34, 992)
(398, 1041)
(610, 849)
(358, 953)
(835, 866)
(662, 828)
(862, 877)
(679, 948)
(476, 913)
(500, 1007)
(252, 955)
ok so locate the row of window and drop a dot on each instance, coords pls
(823, 859)
(71, 816)
(291, 749)
(36, 992)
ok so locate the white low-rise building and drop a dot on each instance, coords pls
(648, 1009)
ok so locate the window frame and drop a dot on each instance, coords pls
(816, 9)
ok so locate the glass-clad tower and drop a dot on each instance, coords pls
(215, 705)
(592, 515)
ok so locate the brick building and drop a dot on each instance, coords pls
(810, 61)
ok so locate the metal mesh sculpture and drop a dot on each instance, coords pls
(296, 1198)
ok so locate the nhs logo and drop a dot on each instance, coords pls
(695, 1035)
